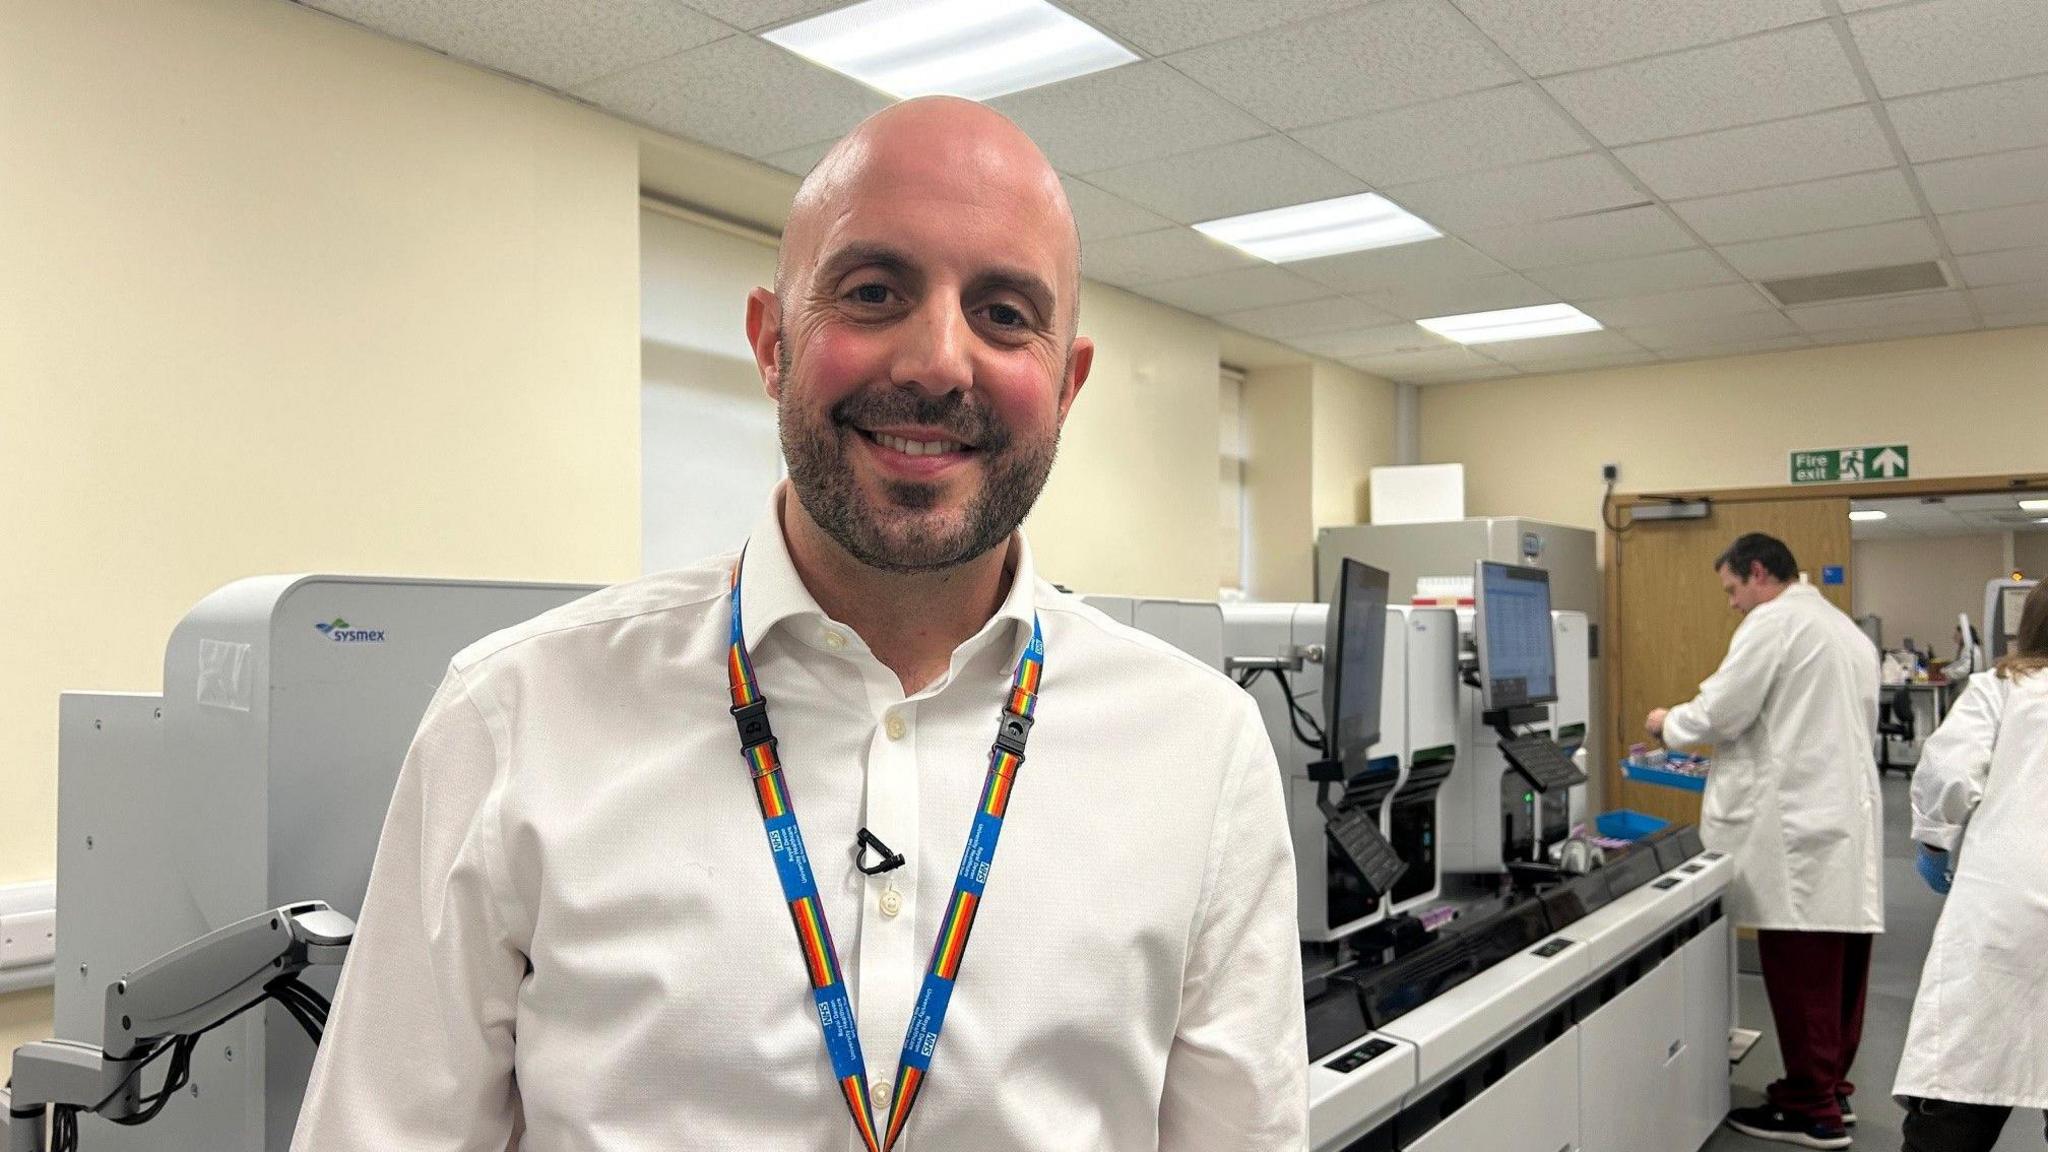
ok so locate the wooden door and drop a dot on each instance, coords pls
(1670, 624)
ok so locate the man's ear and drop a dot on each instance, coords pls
(764, 336)
(1080, 360)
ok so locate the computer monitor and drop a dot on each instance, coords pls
(1352, 663)
(1517, 657)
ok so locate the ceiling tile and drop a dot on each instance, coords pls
(1124, 115)
(559, 43)
(1100, 215)
(1458, 297)
(1761, 155)
(1229, 179)
(1897, 330)
(1740, 348)
(1571, 186)
(1640, 276)
(1995, 229)
(1463, 375)
(1430, 261)
(1530, 355)
(800, 161)
(1161, 26)
(1607, 236)
(1673, 308)
(1167, 254)
(1704, 331)
(1437, 362)
(2026, 319)
(1871, 246)
(1236, 290)
(1591, 362)
(1764, 77)
(1310, 318)
(1840, 202)
(740, 94)
(1507, 125)
(1916, 308)
(1970, 121)
(2014, 266)
(2028, 298)
(1567, 35)
(756, 14)
(1926, 46)
(1380, 56)
(1383, 340)
(1992, 181)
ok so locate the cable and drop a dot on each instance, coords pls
(1297, 714)
(1613, 524)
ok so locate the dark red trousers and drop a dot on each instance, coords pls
(1816, 983)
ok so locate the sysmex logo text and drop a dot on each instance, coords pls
(342, 632)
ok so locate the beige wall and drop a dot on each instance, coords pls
(1315, 433)
(1917, 585)
(1280, 481)
(1354, 433)
(1132, 503)
(2030, 553)
(1967, 404)
(279, 295)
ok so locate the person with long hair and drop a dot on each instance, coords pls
(1977, 1046)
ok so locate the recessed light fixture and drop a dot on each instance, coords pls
(979, 49)
(1321, 228)
(1863, 515)
(1512, 324)
(2034, 505)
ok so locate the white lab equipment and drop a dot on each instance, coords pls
(2003, 601)
(259, 778)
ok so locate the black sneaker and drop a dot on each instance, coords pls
(1848, 1113)
(1785, 1128)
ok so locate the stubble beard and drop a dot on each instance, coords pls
(908, 534)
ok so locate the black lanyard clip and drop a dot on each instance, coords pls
(753, 724)
(1012, 733)
(866, 840)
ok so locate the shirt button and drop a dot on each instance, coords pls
(834, 640)
(880, 1092)
(895, 726)
(892, 902)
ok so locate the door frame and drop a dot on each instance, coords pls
(1615, 673)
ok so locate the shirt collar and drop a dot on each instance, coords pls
(774, 594)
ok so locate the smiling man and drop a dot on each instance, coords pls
(709, 860)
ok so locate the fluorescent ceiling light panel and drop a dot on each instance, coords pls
(1320, 228)
(2034, 505)
(1512, 324)
(1862, 514)
(978, 49)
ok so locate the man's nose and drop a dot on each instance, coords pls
(936, 354)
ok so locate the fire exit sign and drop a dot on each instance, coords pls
(1836, 465)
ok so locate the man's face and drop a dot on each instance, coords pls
(1744, 592)
(925, 356)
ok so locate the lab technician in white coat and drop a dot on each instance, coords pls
(1978, 1044)
(1793, 797)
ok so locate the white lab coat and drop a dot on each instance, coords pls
(1980, 1024)
(1793, 795)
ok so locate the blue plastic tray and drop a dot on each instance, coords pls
(1658, 776)
(1627, 824)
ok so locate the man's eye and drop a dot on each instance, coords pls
(1006, 315)
(871, 294)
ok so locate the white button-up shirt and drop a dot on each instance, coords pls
(574, 920)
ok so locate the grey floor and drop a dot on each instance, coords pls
(1910, 911)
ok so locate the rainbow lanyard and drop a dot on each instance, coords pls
(800, 887)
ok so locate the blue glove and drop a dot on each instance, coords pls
(1933, 868)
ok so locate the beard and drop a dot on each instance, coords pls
(910, 530)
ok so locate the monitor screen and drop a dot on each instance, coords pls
(1352, 663)
(1517, 656)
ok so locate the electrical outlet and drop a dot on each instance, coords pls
(1610, 472)
(28, 939)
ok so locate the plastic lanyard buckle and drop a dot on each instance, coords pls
(752, 720)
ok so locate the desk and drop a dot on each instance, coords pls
(1931, 702)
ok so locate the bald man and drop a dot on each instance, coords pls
(692, 864)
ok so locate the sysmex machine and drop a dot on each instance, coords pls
(1517, 792)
